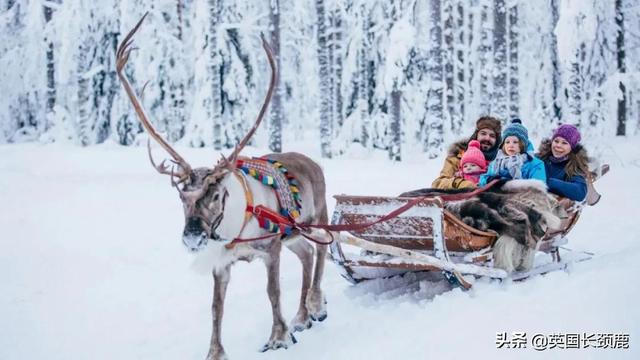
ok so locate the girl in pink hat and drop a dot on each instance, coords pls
(473, 163)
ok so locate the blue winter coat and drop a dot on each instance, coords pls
(574, 188)
(533, 168)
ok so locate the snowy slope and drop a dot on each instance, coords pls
(92, 267)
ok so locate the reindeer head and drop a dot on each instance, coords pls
(202, 190)
(203, 199)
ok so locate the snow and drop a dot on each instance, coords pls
(92, 267)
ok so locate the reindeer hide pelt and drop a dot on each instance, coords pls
(520, 211)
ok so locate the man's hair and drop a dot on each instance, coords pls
(491, 123)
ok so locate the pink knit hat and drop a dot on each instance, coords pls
(474, 155)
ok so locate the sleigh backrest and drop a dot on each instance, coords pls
(413, 229)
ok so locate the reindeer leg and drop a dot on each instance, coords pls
(221, 280)
(280, 336)
(316, 302)
(304, 251)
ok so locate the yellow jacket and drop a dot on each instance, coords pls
(447, 178)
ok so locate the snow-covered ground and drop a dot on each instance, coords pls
(92, 267)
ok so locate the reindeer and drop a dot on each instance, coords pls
(215, 202)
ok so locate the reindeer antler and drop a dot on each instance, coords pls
(122, 56)
(230, 161)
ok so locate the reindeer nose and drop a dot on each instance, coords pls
(193, 227)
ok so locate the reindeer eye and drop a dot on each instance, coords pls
(216, 196)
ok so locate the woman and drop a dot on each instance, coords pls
(565, 163)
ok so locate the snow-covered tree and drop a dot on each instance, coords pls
(324, 70)
(389, 75)
(433, 126)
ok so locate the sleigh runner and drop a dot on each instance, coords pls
(427, 237)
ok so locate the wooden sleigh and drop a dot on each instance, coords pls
(429, 238)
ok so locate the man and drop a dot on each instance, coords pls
(488, 131)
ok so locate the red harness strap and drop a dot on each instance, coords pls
(263, 213)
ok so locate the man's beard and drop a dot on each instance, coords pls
(486, 145)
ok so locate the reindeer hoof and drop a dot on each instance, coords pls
(319, 316)
(301, 326)
(279, 344)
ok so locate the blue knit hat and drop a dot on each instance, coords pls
(515, 128)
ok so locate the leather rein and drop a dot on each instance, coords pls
(261, 212)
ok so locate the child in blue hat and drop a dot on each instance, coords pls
(515, 160)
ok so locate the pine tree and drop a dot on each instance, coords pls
(24, 83)
(95, 76)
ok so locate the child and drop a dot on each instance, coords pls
(566, 163)
(515, 159)
(473, 163)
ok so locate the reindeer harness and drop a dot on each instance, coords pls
(285, 186)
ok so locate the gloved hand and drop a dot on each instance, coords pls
(504, 174)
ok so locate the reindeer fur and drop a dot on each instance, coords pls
(217, 258)
(214, 207)
(520, 211)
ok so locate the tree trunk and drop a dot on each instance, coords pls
(51, 79)
(500, 67)
(179, 8)
(620, 55)
(85, 109)
(575, 94)
(460, 64)
(326, 126)
(276, 118)
(215, 73)
(555, 61)
(449, 117)
(433, 126)
(485, 53)
(335, 58)
(514, 92)
(470, 62)
(396, 125)
(364, 79)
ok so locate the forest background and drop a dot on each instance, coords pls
(397, 75)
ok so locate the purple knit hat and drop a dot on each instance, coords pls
(569, 133)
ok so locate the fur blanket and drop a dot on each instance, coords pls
(520, 211)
